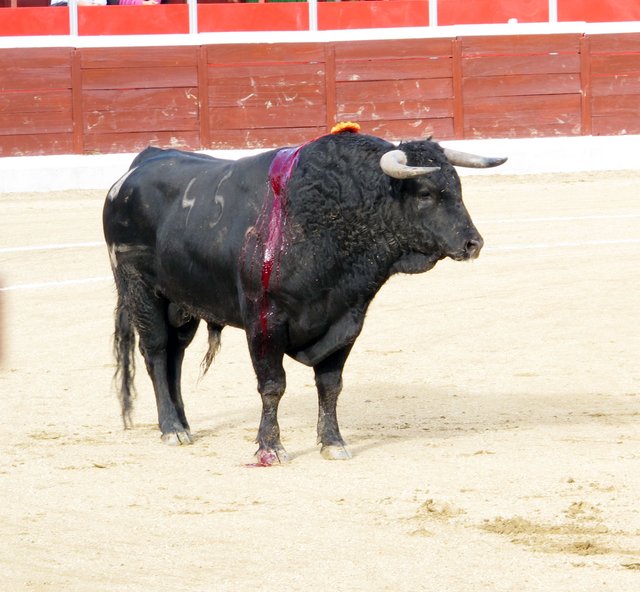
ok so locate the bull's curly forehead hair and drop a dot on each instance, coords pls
(423, 152)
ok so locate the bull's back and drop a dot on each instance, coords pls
(180, 219)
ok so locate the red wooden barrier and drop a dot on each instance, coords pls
(131, 97)
(520, 89)
(401, 88)
(36, 115)
(63, 100)
(615, 84)
(265, 95)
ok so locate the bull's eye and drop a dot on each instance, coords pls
(426, 200)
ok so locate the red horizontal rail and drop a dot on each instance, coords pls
(15, 22)
(294, 16)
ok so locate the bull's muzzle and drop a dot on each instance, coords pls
(470, 250)
(473, 247)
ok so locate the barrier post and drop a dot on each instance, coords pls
(193, 16)
(553, 11)
(73, 18)
(433, 13)
(458, 98)
(330, 84)
(586, 120)
(76, 102)
(313, 15)
(203, 98)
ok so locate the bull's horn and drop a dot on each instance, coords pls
(394, 164)
(472, 160)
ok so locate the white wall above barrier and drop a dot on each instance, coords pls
(526, 156)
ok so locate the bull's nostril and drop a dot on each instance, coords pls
(474, 246)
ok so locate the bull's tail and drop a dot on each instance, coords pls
(214, 345)
(124, 344)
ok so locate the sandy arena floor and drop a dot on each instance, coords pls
(493, 410)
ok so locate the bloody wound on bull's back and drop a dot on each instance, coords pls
(271, 227)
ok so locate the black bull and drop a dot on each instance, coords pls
(290, 245)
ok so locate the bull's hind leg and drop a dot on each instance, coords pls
(182, 329)
(329, 384)
(162, 346)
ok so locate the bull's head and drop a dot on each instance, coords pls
(438, 224)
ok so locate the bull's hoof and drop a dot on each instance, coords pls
(177, 438)
(335, 452)
(269, 457)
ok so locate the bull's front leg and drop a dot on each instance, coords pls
(267, 359)
(328, 375)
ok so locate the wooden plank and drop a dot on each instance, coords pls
(626, 107)
(540, 130)
(521, 64)
(35, 144)
(151, 120)
(441, 129)
(523, 45)
(35, 77)
(138, 57)
(390, 49)
(521, 84)
(294, 115)
(616, 85)
(49, 57)
(269, 74)
(414, 129)
(142, 99)
(376, 110)
(306, 95)
(257, 53)
(616, 64)
(614, 124)
(263, 137)
(515, 117)
(549, 107)
(393, 69)
(303, 85)
(400, 90)
(125, 78)
(136, 141)
(28, 101)
(32, 123)
(615, 43)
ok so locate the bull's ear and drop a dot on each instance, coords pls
(475, 161)
(394, 164)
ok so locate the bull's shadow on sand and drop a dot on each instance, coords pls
(376, 414)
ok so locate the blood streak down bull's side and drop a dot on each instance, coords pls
(290, 245)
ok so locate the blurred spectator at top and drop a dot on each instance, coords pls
(80, 2)
(105, 2)
(133, 2)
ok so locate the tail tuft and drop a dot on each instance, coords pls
(214, 346)
(124, 342)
